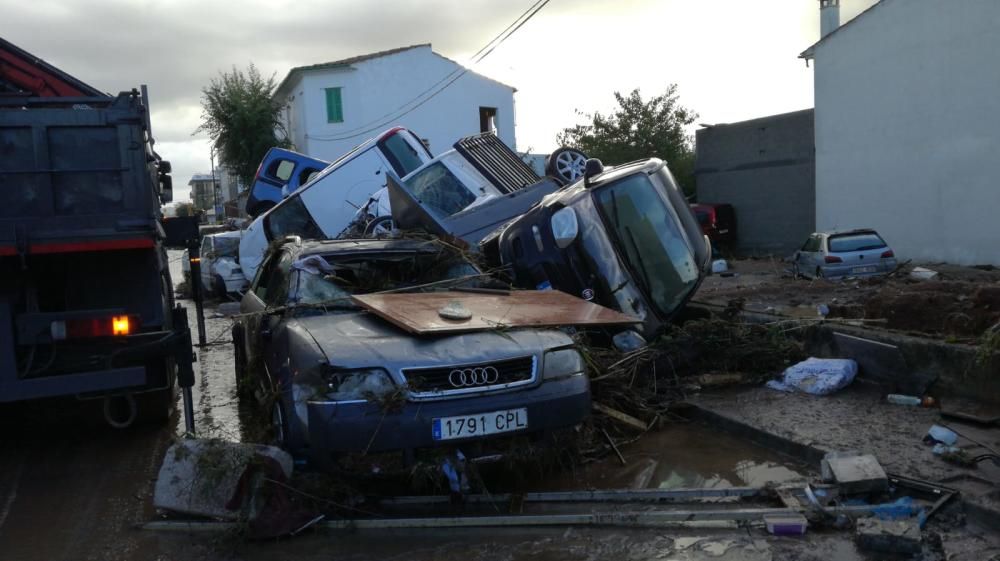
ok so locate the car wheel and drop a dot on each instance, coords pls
(379, 226)
(220, 287)
(566, 164)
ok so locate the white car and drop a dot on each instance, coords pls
(221, 273)
(327, 203)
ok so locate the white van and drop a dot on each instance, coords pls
(326, 205)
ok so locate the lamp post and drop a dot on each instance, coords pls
(215, 186)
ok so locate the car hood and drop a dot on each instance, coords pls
(362, 340)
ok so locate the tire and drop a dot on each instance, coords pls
(220, 287)
(566, 164)
(379, 226)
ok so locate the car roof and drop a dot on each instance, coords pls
(831, 233)
(232, 234)
(617, 172)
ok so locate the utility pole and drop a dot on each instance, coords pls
(215, 187)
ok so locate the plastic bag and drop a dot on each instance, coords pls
(817, 376)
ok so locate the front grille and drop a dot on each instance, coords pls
(477, 376)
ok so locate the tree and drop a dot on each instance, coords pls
(242, 119)
(185, 209)
(639, 129)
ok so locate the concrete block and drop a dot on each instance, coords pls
(855, 474)
(200, 476)
(891, 536)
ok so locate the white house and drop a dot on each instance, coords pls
(334, 106)
(908, 126)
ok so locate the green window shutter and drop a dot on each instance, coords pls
(334, 106)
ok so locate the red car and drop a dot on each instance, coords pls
(718, 222)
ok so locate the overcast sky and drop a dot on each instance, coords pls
(732, 59)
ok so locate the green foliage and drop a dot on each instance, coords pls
(639, 129)
(185, 209)
(242, 119)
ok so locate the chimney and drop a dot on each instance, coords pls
(829, 16)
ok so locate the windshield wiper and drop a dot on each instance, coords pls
(614, 207)
(639, 261)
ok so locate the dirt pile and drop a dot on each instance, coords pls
(950, 308)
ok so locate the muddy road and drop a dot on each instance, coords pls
(72, 488)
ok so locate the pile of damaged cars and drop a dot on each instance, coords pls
(452, 322)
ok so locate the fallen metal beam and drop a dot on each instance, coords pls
(609, 495)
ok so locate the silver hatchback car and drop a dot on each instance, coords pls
(854, 253)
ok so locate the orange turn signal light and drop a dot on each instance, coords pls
(120, 325)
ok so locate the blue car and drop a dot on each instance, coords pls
(281, 172)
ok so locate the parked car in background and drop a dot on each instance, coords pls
(853, 253)
(718, 222)
(220, 269)
(325, 204)
(337, 379)
(623, 237)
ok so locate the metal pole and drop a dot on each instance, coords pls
(194, 255)
(185, 367)
(215, 194)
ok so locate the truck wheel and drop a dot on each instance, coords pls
(566, 164)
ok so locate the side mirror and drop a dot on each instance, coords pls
(166, 188)
(592, 168)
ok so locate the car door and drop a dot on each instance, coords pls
(805, 257)
(253, 305)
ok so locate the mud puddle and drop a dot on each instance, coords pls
(684, 455)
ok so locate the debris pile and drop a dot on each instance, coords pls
(643, 384)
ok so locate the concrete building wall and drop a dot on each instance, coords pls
(375, 87)
(766, 170)
(908, 128)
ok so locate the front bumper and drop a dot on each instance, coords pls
(337, 427)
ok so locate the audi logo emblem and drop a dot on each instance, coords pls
(479, 376)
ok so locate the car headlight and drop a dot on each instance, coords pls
(562, 363)
(564, 227)
(356, 385)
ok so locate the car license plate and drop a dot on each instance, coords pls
(859, 270)
(480, 424)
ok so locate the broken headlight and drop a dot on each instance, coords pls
(562, 363)
(357, 385)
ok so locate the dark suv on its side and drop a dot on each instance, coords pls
(623, 237)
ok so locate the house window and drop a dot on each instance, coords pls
(334, 106)
(488, 119)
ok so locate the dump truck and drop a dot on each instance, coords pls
(86, 298)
